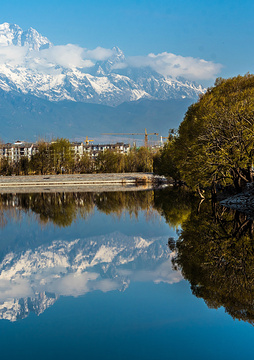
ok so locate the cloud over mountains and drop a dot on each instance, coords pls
(175, 66)
(31, 64)
(17, 49)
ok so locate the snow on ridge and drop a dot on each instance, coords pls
(12, 34)
(29, 63)
(29, 280)
(62, 257)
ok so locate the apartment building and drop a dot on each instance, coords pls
(94, 150)
(14, 152)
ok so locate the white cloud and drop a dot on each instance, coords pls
(162, 273)
(13, 55)
(188, 67)
(16, 289)
(74, 284)
(168, 64)
(67, 56)
(73, 56)
(98, 54)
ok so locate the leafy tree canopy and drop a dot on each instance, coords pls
(215, 141)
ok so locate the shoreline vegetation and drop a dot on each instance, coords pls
(59, 157)
(213, 149)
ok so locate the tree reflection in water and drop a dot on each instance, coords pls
(37, 269)
(62, 209)
(215, 253)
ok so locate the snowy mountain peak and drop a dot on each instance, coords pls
(118, 53)
(12, 34)
(65, 73)
(34, 40)
(113, 61)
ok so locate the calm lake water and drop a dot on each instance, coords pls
(108, 276)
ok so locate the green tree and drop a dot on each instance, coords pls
(144, 160)
(215, 141)
(109, 162)
(40, 162)
(6, 167)
(131, 161)
(84, 164)
(164, 162)
(61, 155)
(62, 209)
(175, 205)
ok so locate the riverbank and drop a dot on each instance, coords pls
(243, 202)
(80, 182)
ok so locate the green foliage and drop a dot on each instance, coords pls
(84, 165)
(109, 162)
(53, 158)
(6, 168)
(164, 162)
(58, 157)
(215, 141)
(144, 159)
(137, 160)
(61, 156)
(119, 202)
(41, 162)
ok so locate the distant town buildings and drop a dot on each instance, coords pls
(20, 149)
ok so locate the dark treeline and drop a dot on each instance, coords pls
(58, 157)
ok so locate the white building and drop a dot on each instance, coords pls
(14, 152)
(93, 150)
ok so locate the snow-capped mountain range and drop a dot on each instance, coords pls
(14, 35)
(31, 64)
(32, 280)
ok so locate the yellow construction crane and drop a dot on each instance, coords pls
(88, 141)
(146, 135)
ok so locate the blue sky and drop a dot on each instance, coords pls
(217, 31)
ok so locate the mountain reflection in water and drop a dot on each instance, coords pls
(33, 279)
(33, 276)
(214, 250)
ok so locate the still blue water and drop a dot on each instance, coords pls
(104, 288)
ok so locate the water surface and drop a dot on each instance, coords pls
(91, 276)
